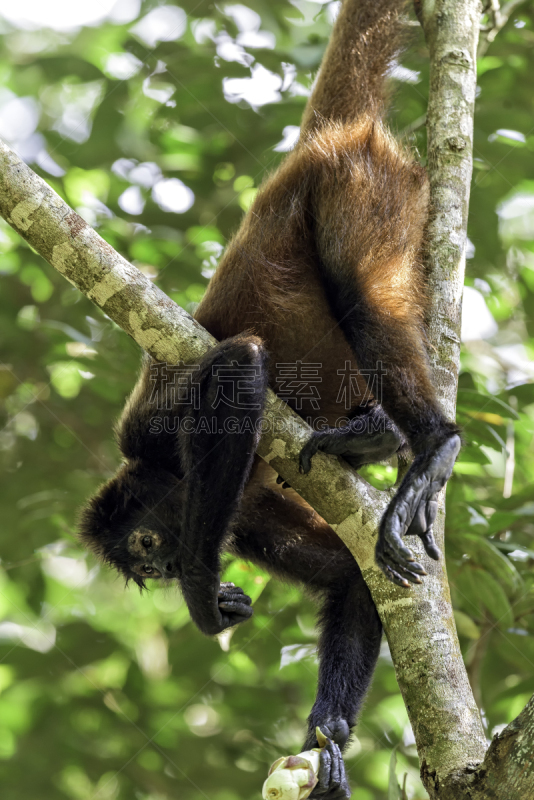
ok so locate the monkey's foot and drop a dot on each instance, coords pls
(412, 512)
(359, 443)
(332, 784)
(234, 605)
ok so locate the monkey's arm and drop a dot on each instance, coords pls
(217, 442)
(150, 421)
(368, 438)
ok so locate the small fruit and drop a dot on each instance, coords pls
(294, 777)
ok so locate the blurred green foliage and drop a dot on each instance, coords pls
(157, 123)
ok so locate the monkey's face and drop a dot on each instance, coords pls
(133, 524)
(151, 556)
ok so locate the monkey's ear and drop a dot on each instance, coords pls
(102, 522)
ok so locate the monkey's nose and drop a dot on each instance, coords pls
(167, 569)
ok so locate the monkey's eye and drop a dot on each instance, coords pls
(148, 570)
(146, 541)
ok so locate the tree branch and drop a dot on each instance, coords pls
(498, 18)
(451, 30)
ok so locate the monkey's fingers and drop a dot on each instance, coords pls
(393, 576)
(337, 773)
(424, 516)
(233, 613)
(243, 609)
(421, 526)
(230, 603)
(332, 784)
(389, 538)
(429, 543)
(398, 574)
(233, 593)
(335, 728)
(396, 568)
(392, 548)
(229, 591)
(325, 765)
(419, 505)
(306, 455)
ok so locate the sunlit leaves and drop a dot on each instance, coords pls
(67, 377)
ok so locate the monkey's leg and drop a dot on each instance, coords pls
(369, 210)
(396, 350)
(292, 542)
(217, 442)
(368, 438)
(348, 649)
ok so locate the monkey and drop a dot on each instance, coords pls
(327, 266)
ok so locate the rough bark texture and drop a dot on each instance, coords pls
(507, 772)
(451, 31)
(449, 761)
(508, 769)
(451, 739)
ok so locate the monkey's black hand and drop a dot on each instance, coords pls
(412, 512)
(366, 439)
(335, 728)
(234, 605)
(333, 784)
(215, 606)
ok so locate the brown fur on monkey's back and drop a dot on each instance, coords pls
(349, 183)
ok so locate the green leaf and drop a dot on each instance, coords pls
(250, 578)
(465, 625)
(487, 63)
(475, 430)
(472, 454)
(394, 790)
(465, 592)
(488, 556)
(509, 547)
(479, 404)
(523, 393)
(66, 378)
(525, 605)
(500, 521)
(494, 598)
(81, 184)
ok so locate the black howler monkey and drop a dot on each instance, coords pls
(326, 267)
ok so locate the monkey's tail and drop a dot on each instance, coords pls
(366, 38)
